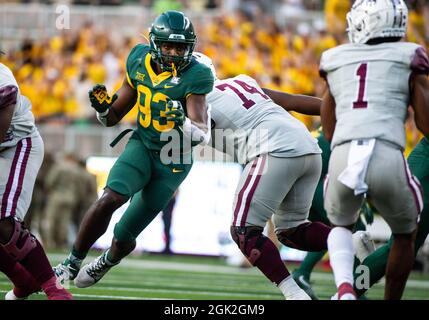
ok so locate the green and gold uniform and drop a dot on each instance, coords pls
(139, 172)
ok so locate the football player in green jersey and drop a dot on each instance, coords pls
(168, 86)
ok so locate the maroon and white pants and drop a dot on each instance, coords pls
(19, 166)
(277, 188)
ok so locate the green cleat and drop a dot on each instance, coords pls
(304, 283)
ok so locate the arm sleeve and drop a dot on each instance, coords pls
(420, 62)
(8, 95)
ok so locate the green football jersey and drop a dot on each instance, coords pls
(155, 90)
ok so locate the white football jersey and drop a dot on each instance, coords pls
(249, 123)
(22, 124)
(370, 85)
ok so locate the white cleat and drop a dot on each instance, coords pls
(11, 296)
(92, 273)
(363, 244)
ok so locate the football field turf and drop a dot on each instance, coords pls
(196, 278)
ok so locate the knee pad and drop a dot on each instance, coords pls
(250, 240)
(21, 242)
(294, 237)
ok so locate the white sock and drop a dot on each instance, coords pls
(291, 290)
(341, 254)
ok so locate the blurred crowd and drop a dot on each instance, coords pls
(56, 73)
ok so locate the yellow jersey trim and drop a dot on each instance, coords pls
(129, 80)
(156, 79)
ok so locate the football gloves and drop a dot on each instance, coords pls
(100, 99)
(176, 112)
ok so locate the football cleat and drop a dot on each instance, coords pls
(93, 272)
(363, 244)
(66, 271)
(304, 283)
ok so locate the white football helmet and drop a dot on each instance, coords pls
(370, 19)
(202, 58)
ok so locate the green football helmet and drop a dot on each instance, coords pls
(173, 27)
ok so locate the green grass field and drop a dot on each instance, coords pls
(195, 278)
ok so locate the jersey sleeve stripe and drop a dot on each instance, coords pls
(420, 62)
(129, 80)
(8, 95)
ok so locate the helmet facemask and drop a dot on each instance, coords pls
(172, 63)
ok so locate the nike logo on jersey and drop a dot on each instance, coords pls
(168, 86)
(177, 170)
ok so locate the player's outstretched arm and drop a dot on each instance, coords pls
(327, 114)
(110, 110)
(8, 96)
(295, 102)
(420, 102)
